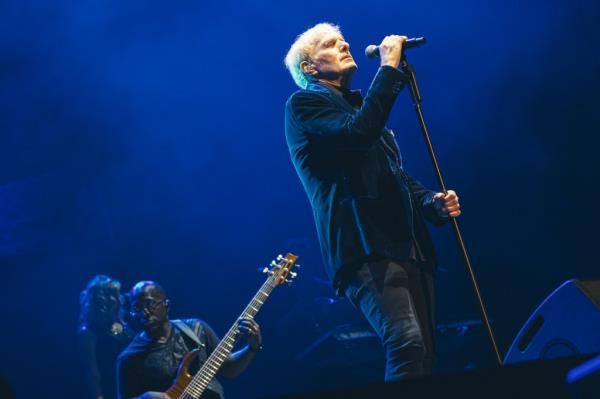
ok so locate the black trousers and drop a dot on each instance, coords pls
(397, 300)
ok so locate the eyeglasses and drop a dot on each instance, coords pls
(149, 305)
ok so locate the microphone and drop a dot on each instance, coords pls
(372, 50)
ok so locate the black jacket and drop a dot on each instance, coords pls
(363, 202)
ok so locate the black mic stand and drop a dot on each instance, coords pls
(409, 70)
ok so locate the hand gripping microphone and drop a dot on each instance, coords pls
(372, 50)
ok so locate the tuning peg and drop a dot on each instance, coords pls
(279, 257)
(293, 274)
(288, 282)
(275, 265)
(298, 266)
(265, 270)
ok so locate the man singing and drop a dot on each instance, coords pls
(369, 212)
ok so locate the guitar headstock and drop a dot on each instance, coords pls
(281, 269)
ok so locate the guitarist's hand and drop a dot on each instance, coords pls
(154, 395)
(251, 331)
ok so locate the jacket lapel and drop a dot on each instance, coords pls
(339, 100)
(387, 137)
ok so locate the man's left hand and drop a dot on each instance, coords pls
(446, 204)
(251, 331)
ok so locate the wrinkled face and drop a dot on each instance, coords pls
(150, 307)
(331, 58)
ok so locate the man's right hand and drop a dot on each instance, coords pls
(390, 50)
(154, 395)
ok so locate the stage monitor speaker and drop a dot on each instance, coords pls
(566, 323)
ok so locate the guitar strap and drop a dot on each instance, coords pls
(184, 328)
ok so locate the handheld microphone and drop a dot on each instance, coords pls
(372, 50)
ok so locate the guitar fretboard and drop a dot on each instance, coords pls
(221, 353)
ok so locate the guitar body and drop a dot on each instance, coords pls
(184, 377)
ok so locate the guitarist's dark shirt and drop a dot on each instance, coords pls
(146, 365)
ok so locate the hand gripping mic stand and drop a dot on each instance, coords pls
(409, 70)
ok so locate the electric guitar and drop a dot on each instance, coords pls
(187, 386)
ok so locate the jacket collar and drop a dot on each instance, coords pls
(337, 97)
(319, 87)
(387, 136)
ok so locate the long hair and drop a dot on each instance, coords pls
(95, 294)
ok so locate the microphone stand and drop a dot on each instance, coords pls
(409, 70)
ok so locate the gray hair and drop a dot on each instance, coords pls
(303, 47)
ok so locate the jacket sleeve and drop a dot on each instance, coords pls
(325, 123)
(424, 200)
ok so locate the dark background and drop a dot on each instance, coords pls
(144, 140)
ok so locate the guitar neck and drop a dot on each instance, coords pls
(221, 353)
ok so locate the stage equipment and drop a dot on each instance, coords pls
(584, 380)
(539, 379)
(566, 323)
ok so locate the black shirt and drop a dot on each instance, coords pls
(98, 350)
(146, 365)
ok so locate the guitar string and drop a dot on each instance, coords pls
(196, 386)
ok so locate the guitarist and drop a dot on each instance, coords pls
(148, 366)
